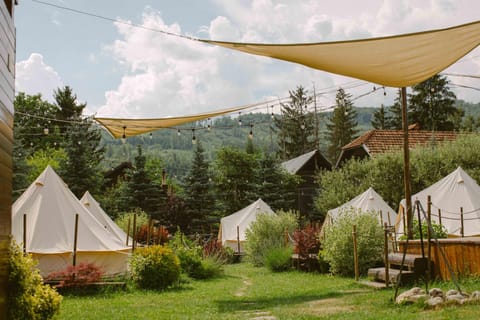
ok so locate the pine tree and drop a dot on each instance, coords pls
(81, 170)
(68, 108)
(395, 111)
(381, 119)
(342, 125)
(296, 126)
(199, 191)
(432, 105)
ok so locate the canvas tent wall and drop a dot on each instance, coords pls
(369, 201)
(94, 207)
(456, 190)
(50, 209)
(242, 219)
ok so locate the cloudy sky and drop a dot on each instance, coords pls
(125, 71)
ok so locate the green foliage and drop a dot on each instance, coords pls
(432, 105)
(296, 126)
(342, 125)
(439, 231)
(338, 242)
(381, 119)
(40, 159)
(123, 220)
(28, 298)
(267, 233)
(279, 259)
(155, 267)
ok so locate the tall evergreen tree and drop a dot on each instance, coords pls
(395, 112)
(199, 198)
(296, 126)
(235, 177)
(81, 169)
(381, 119)
(68, 108)
(341, 128)
(432, 104)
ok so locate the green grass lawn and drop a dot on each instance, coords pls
(246, 292)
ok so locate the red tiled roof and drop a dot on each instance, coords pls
(380, 141)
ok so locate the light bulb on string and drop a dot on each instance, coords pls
(209, 127)
(303, 125)
(124, 136)
(250, 135)
(45, 131)
(151, 136)
(194, 139)
(178, 133)
(239, 119)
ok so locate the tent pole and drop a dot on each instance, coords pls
(75, 238)
(406, 165)
(25, 233)
(238, 240)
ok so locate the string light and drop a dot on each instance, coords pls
(45, 131)
(302, 126)
(179, 133)
(239, 119)
(194, 139)
(250, 135)
(124, 136)
(151, 136)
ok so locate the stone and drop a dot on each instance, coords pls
(435, 301)
(475, 295)
(451, 292)
(435, 292)
(411, 296)
(457, 298)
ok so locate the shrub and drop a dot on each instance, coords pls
(28, 298)
(77, 276)
(338, 242)
(279, 259)
(214, 248)
(155, 267)
(440, 232)
(210, 267)
(266, 233)
(122, 220)
(306, 241)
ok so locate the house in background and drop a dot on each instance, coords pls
(306, 167)
(375, 142)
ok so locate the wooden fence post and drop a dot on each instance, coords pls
(75, 238)
(462, 230)
(128, 231)
(355, 253)
(134, 231)
(25, 233)
(385, 252)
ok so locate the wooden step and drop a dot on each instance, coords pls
(396, 259)
(379, 274)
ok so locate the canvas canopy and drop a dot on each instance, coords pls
(369, 201)
(241, 219)
(94, 207)
(50, 209)
(456, 190)
(396, 61)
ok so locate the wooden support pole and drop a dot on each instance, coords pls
(75, 239)
(439, 216)
(355, 253)
(381, 218)
(462, 229)
(148, 230)
(429, 238)
(389, 219)
(385, 252)
(404, 221)
(128, 231)
(134, 232)
(24, 233)
(238, 239)
(406, 166)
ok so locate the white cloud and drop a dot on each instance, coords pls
(34, 76)
(168, 76)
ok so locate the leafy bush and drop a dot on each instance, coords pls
(338, 242)
(28, 298)
(122, 220)
(306, 241)
(427, 165)
(214, 248)
(210, 267)
(279, 259)
(155, 267)
(77, 276)
(267, 233)
(440, 231)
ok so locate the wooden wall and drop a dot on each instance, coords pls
(463, 255)
(7, 93)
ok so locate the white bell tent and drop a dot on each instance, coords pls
(369, 201)
(94, 207)
(44, 216)
(233, 227)
(448, 195)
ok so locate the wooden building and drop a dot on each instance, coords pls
(7, 95)
(375, 142)
(306, 167)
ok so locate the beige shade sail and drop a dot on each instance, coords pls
(132, 127)
(396, 61)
